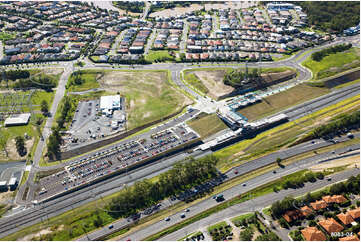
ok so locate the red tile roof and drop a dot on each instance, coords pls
(313, 234)
(345, 218)
(355, 213)
(331, 225)
(350, 238)
(318, 205)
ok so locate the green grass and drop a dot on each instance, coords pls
(192, 80)
(333, 63)
(267, 211)
(159, 56)
(24, 178)
(207, 125)
(4, 36)
(89, 78)
(217, 226)
(242, 217)
(283, 100)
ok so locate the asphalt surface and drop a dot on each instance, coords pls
(252, 205)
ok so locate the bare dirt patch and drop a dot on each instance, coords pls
(213, 80)
(12, 152)
(5, 197)
(350, 162)
(52, 71)
(40, 233)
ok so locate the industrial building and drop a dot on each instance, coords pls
(109, 103)
(17, 119)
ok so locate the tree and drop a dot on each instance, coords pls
(20, 145)
(4, 136)
(44, 107)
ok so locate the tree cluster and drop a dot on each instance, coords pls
(246, 235)
(235, 78)
(268, 237)
(338, 125)
(54, 143)
(319, 55)
(17, 74)
(332, 15)
(298, 181)
(143, 194)
(65, 113)
(20, 145)
(41, 81)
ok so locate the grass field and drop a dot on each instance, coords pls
(89, 78)
(242, 217)
(159, 56)
(206, 125)
(192, 80)
(217, 226)
(333, 63)
(156, 98)
(282, 100)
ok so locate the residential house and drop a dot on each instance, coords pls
(313, 234)
(331, 225)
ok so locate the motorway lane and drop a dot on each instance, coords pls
(256, 204)
(241, 170)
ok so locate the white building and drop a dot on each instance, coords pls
(17, 119)
(109, 103)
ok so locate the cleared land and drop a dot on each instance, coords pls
(282, 100)
(155, 100)
(349, 162)
(334, 63)
(206, 125)
(210, 80)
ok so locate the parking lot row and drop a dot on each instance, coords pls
(118, 157)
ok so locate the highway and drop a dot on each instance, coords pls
(256, 204)
(228, 194)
